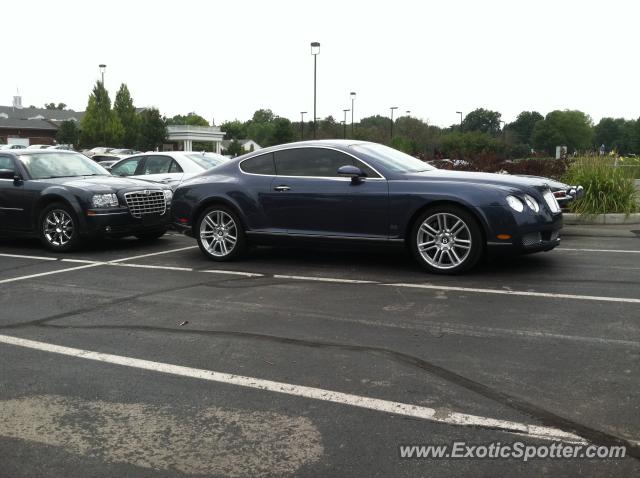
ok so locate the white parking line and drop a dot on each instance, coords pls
(235, 273)
(15, 279)
(20, 256)
(598, 250)
(154, 254)
(517, 292)
(325, 279)
(384, 406)
(148, 266)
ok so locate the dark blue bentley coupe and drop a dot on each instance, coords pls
(360, 191)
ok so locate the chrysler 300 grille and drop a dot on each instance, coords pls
(141, 203)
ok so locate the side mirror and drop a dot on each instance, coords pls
(7, 174)
(352, 172)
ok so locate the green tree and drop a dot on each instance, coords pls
(234, 149)
(191, 119)
(524, 124)
(484, 121)
(126, 112)
(263, 116)
(570, 128)
(616, 134)
(100, 124)
(152, 132)
(67, 133)
(53, 106)
(283, 132)
(235, 129)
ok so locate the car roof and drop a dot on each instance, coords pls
(19, 152)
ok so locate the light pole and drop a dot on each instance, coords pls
(392, 108)
(344, 132)
(302, 113)
(409, 113)
(102, 67)
(353, 99)
(460, 113)
(315, 51)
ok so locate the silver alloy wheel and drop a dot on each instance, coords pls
(444, 240)
(218, 233)
(58, 227)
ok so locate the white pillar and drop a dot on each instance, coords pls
(218, 147)
(184, 145)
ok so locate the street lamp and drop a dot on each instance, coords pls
(315, 51)
(460, 113)
(344, 132)
(408, 112)
(353, 99)
(302, 113)
(392, 108)
(102, 67)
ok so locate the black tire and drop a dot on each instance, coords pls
(220, 247)
(58, 228)
(151, 235)
(457, 252)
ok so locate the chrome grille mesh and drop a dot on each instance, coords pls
(141, 203)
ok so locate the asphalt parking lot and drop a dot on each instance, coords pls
(145, 359)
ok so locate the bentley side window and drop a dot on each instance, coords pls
(318, 162)
(262, 164)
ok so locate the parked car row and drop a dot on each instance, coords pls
(335, 191)
(36, 146)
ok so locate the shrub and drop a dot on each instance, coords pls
(607, 189)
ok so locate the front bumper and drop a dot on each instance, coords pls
(119, 223)
(528, 232)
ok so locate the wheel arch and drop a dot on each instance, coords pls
(51, 198)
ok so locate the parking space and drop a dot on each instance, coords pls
(297, 362)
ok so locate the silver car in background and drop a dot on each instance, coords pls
(172, 167)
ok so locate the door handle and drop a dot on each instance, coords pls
(282, 188)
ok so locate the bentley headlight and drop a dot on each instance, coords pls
(168, 195)
(104, 200)
(515, 203)
(532, 203)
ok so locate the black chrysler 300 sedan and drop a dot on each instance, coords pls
(349, 190)
(63, 197)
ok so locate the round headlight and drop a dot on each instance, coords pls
(168, 194)
(532, 203)
(515, 203)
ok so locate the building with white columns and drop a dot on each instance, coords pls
(200, 134)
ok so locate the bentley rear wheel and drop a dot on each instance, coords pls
(220, 234)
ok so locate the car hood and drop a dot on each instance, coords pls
(480, 178)
(114, 183)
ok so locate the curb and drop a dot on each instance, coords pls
(598, 231)
(601, 219)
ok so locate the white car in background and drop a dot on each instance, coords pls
(38, 146)
(170, 167)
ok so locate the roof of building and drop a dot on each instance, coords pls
(13, 123)
(40, 113)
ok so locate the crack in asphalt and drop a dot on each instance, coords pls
(529, 409)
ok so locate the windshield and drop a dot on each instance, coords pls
(207, 161)
(392, 159)
(60, 165)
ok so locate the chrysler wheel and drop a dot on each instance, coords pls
(220, 235)
(58, 228)
(447, 239)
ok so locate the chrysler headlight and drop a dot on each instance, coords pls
(168, 195)
(515, 203)
(104, 200)
(532, 203)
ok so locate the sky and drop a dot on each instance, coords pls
(226, 59)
